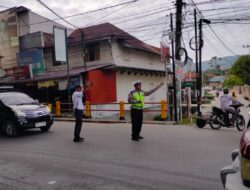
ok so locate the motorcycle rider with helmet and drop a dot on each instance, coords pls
(225, 101)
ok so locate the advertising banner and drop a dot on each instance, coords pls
(9, 44)
(18, 73)
(32, 57)
(60, 44)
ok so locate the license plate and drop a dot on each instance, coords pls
(40, 124)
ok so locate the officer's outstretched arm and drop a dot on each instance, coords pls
(148, 93)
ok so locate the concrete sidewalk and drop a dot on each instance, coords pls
(71, 119)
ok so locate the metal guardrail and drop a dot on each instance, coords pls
(60, 108)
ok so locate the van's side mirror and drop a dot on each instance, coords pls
(37, 101)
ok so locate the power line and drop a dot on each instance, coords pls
(43, 4)
(74, 15)
(216, 35)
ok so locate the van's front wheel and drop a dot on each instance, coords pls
(9, 128)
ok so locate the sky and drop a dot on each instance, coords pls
(148, 20)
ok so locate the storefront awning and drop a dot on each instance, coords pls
(53, 75)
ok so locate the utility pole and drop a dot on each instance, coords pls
(196, 60)
(174, 73)
(68, 68)
(200, 62)
(200, 68)
(178, 36)
(178, 32)
(83, 49)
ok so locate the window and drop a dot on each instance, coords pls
(93, 52)
(126, 54)
(20, 99)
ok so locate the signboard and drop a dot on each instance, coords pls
(18, 73)
(9, 45)
(191, 84)
(60, 44)
(164, 53)
(33, 57)
(74, 81)
(46, 84)
(62, 85)
(30, 57)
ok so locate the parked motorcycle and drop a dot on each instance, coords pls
(218, 118)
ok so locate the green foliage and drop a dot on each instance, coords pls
(232, 80)
(241, 69)
(157, 118)
(188, 121)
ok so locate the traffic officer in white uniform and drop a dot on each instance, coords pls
(78, 110)
(136, 99)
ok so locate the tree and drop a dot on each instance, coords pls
(232, 80)
(241, 68)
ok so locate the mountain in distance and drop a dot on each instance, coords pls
(225, 62)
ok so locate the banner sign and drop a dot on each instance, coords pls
(18, 73)
(46, 84)
(74, 81)
(30, 57)
(60, 44)
(33, 57)
(63, 84)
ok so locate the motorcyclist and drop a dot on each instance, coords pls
(217, 93)
(225, 101)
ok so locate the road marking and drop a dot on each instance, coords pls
(52, 182)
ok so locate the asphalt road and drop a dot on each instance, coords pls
(169, 158)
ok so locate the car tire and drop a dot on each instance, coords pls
(9, 129)
(46, 128)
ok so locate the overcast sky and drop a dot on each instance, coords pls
(147, 19)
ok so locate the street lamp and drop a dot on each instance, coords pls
(199, 98)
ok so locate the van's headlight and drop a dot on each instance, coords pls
(19, 113)
(20, 117)
(249, 113)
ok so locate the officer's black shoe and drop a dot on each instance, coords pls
(135, 139)
(78, 140)
(140, 137)
(81, 138)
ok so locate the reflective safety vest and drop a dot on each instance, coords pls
(138, 96)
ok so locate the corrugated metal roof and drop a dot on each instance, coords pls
(108, 30)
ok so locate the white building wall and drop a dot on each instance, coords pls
(39, 23)
(124, 86)
(137, 59)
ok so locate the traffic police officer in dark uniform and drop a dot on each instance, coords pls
(136, 99)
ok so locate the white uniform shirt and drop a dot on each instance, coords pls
(225, 101)
(77, 100)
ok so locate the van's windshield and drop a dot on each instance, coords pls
(16, 99)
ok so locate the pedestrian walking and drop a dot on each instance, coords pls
(136, 99)
(77, 98)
